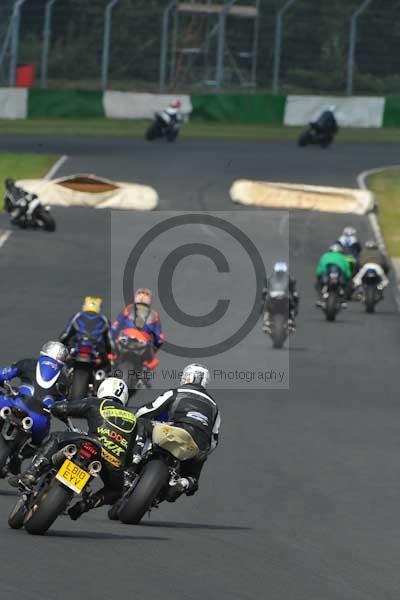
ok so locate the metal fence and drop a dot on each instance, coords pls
(288, 46)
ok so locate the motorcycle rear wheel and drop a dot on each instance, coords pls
(278, 330)
(331, 307)
(370, 299)
(80, 382)
(45, 220)
(5, 452)
(47, 508)
(153, 478)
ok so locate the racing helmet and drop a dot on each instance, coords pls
(349, 231)
(92, 304)
(371, 245)
(336, 248)
(9, 183)
(176, 103)
(280, 267)
(114, 388)
(143, 296)
(195, 373)
(50, 363)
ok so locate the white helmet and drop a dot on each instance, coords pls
(195, 373)
(280, 267)
(55, 350)
(114, 388)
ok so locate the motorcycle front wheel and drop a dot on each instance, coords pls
(153, 478)
(45, 220)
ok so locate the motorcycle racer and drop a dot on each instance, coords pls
(111, 423)
(191, 408)
(43, 381)
(280, 280)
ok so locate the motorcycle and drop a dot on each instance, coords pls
(15, 434)
(331, 294)
(371, 293)
(33, 214)
(158, 471)
(278, 309)
(70, 473)
(85, 362)
(315, 135)
(164, 126)
(136, 358)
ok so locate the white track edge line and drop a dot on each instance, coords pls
(373, 220)
(4, 237)
(57, 165)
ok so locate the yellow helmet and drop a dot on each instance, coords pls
(92, 304)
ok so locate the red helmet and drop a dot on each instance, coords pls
(176, 103)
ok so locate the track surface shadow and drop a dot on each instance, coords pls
(93, 535)
(176, 525)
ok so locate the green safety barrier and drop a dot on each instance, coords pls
(65, 103)
(239, 108)
(391, 115)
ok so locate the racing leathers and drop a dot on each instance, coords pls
(93, 325)
(113, 425)
(34, 398)
(142, 317)
(191, 408)
(17, 201)
(326, 122)
(333, 259)
(277, 284)
(374, 259)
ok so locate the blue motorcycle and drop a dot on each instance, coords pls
(19, 429)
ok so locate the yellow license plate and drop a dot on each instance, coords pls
(73, 476)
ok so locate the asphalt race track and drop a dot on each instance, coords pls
(301, 499)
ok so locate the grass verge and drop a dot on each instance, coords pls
(193, 130)
(386, 187)
(23, 166)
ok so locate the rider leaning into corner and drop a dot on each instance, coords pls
(372, 257)
(111, 423)
(43, 381)
(327, 121)
(279, 281)
(18, 199)
(193, 409)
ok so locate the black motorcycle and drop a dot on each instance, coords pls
(278, 309)
(332, 294)
(314, 135)
(15, 435)
(157, 473)
(371, 291)
(28, 211)
(87, 367)
(70, 473)
(164, 126)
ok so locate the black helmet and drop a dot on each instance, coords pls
(9, 182)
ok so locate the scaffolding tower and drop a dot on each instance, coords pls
(200, 43)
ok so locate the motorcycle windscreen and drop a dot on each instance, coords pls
(47, 371)
(175, 440)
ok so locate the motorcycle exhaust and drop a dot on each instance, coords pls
(94, 468)
(100, 375)
(5, 412)
(70, 451)
(27, 423)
